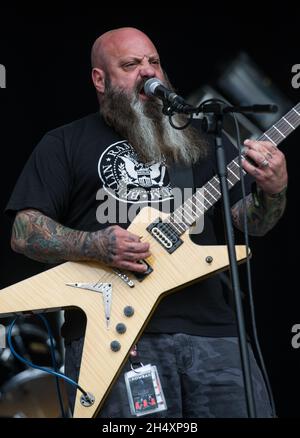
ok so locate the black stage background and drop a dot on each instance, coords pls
(46, 56)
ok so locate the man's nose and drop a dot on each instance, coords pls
(147, 71)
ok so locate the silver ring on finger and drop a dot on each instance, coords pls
(265, 163)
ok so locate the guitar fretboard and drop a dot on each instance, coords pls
(191, 210)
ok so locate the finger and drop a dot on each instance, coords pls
(131, 266)
(272, 148)
(269, 156)
(261, 146)
(262, 171)
(131, 237)
(137, 247)
(120, 232)
(252, 144)
(252, 170)
(257, 158)
(133, 256)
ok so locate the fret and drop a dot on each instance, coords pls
(235, 166)
(216, 180)
(288, 122)
(269, 138)
(209, 198)
(281, 133)
(274, 135)
(284, 127)
(294, 116)
(196, 207)
(294, 119)
(173, 225)
(192, 209)
(206, 199)
(179, 226)
(230, 170)
(234, 176)
(296, 111)
(180, 219)
(187, 213)
(197, 202)
(218, 193)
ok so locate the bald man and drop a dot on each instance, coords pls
(69, 204)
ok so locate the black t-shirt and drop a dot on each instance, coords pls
(79, 171)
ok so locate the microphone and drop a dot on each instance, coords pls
(154, 87)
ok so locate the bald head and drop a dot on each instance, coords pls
(110, 41)
(125, 58)
(122, 61)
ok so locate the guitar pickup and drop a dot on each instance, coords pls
(165, 234)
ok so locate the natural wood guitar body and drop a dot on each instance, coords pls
(100, 365)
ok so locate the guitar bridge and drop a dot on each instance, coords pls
(165, 235)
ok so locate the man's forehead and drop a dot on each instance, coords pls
(136, 46)
(139, 57)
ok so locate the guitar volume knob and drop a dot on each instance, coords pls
(128, 311)
(121, 328)
(115, 346)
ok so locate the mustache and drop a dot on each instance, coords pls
(146, 128)
(139, 87)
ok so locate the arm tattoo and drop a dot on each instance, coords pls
(39, 237)
(261, 216)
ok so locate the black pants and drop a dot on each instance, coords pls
(201, 377)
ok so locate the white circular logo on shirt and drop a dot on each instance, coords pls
(128, 179)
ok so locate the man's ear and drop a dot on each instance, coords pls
(98, 77)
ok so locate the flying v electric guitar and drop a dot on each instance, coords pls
(118, 304)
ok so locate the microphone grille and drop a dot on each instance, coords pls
(150, 86)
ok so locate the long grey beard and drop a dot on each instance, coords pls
(149, 131)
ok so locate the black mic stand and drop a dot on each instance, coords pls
(213, 124)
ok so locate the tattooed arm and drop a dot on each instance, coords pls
(261, 215)
(268, 167)
(41, 238)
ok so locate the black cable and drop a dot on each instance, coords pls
(248, 265)
(189, 120)
(248, 270)
(54, 364)
(32, 365)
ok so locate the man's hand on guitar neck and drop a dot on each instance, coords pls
(270, 171)
(41, 238)
(268, 167)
